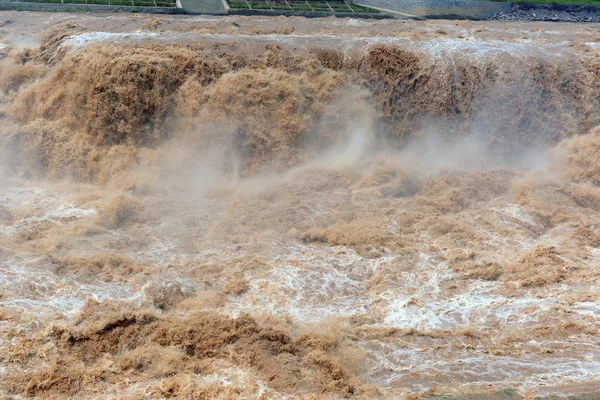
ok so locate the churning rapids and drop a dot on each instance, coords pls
(288, 208)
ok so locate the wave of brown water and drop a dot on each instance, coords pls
(236, 208)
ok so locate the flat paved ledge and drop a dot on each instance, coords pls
(214, 7)
(396, 14)
(451, 9)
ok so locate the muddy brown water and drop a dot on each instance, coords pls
(253, 207)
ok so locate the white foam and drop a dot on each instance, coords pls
(310, 285)
(84, 39)
(437, 46)
(31, 285)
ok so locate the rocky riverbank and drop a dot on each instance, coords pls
(551, 12)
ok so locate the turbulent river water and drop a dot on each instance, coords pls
(253, 207)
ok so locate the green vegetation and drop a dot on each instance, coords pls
(332, 7)
(340, 7)
(137, 3)
(561, 2)
(47, 1)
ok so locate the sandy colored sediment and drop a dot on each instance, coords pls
(288, 208)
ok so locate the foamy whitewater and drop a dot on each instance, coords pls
(283, 208)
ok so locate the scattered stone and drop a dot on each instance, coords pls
(550, 12)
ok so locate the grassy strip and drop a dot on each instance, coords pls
(240, 5)
(162, 3)
(319, 6)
